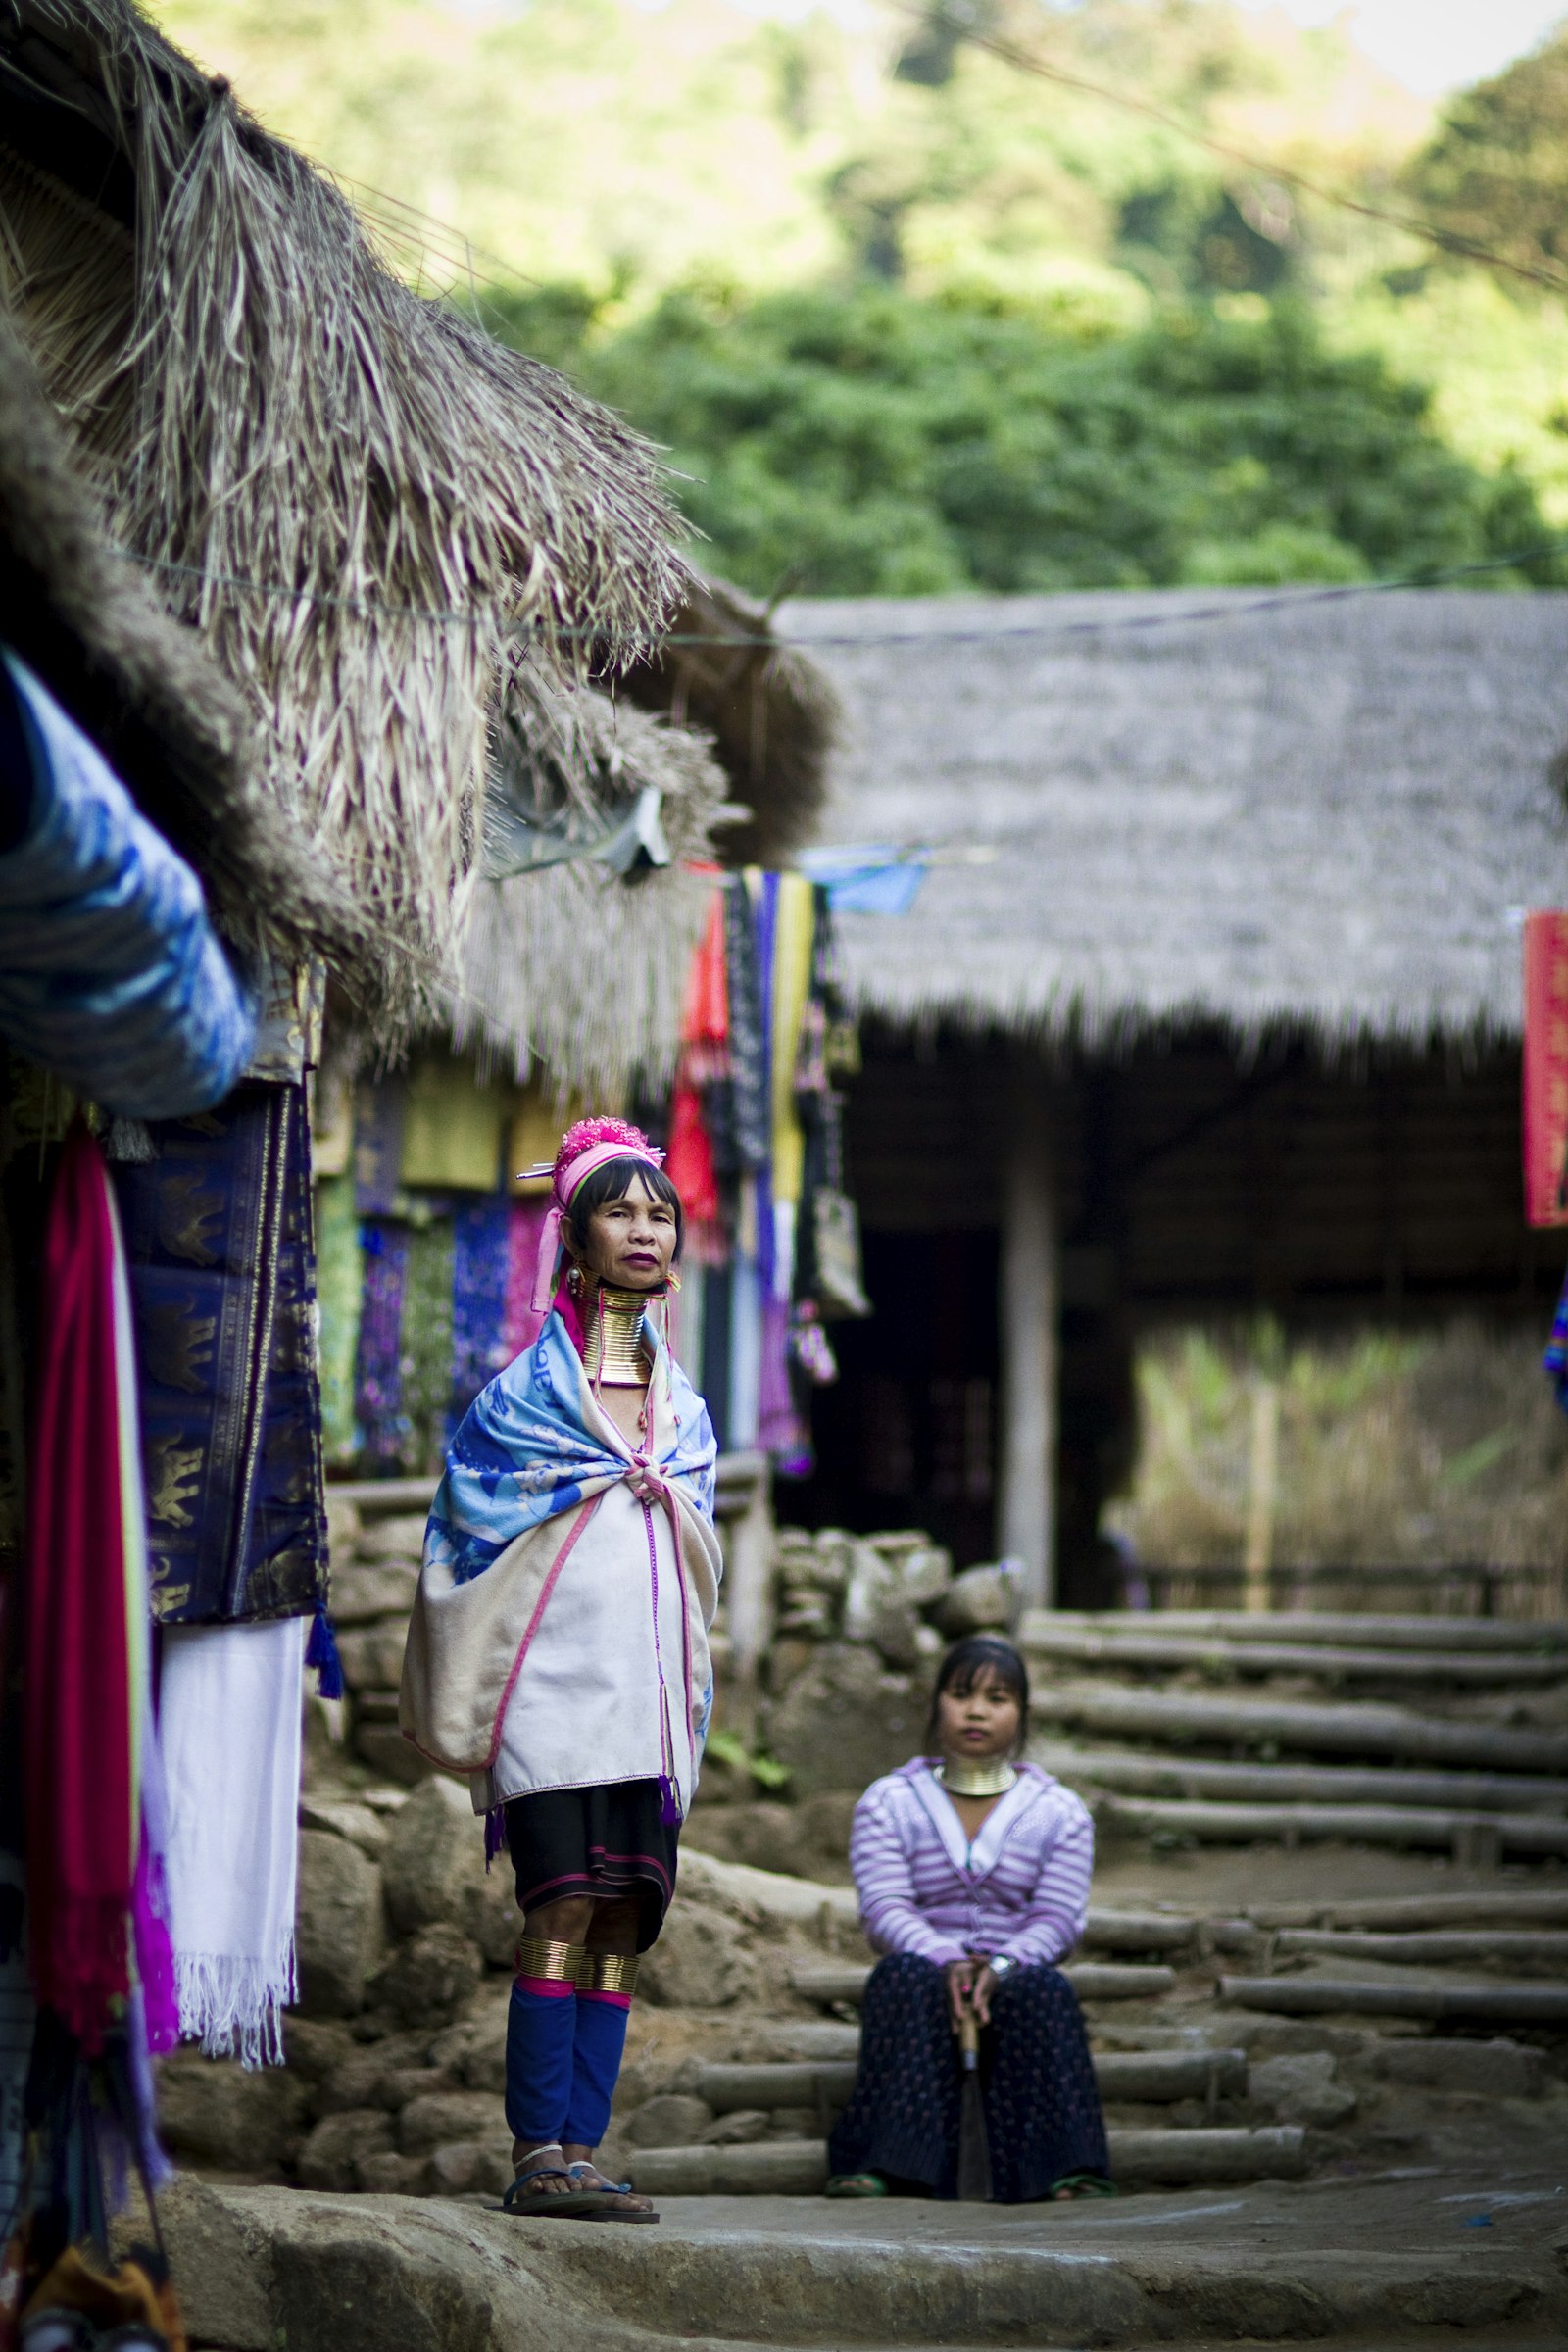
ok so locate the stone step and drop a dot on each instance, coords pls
(1126, 1772)
(1154, 2076)
(1132, 1649)
(1471, 1837)
(1520, 1948)
(1091, 1980)
(1351, 1728)
(1425, 1998)
(798, 2168)
(1330, 1628)
(1348, 2265)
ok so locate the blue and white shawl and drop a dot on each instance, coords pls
(529, 1463)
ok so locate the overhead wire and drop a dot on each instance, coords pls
(1277, 600)
(1026, 61)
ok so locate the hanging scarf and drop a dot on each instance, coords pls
(85, 1686)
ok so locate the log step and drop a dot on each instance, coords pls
(1155, 2076)
(1520, 1948)
(1541, 1907)
(1091, 1980)
(1471, 1835)
(1126, 1773)
(1351, 1728)
(798, 2168)
(1173, 1653)
(1328, 1629)
(1319, 1996)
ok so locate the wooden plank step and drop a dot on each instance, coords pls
(798, 2168)
(1347, 1630)
(1540, 1906)
(1409, 1827)
(1127, 1772)
(1158, 2075)
(1522, 1947)
(1173, 1653)
(1351, 1728)
(1091, 1980)
(1327, 1997)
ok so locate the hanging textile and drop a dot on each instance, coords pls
(426, 1350)
(84, 1614)
(689, 1165)
(1546, 1068)
(379, 1365)
(218, 1228)
(229, 1707)
(480, 1259)
(1555, 1363)
(794, 927)
(705, 1014)
(379, 1147)
(452, 1128)
(747, 1131)
(339, 1282)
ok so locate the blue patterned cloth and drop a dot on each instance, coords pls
(524, 1452)
(1555, 1363)
(110, 974)
(482, 1245)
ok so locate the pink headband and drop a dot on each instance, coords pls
(568, 1176)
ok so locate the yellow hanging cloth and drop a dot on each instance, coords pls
(792, 932)
(452, 1128)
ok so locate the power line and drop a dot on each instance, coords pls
(1284, 599)
(1026, 62)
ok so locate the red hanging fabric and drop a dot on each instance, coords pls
(1546, 1068)
(78, 1730)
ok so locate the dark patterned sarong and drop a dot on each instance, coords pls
(605, 1842)
(222, 1273)
(1043, 2113)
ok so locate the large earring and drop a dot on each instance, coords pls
(574, 1281)
(672, 1280)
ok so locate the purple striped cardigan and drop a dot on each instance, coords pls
(1022, 1889)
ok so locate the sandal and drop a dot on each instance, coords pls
(855, 2184)
(615, 2193)
(564, 2204)
(1073, 2185)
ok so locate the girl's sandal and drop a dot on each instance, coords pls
(855, 2184)
(1075, 2186)
(615, 2195)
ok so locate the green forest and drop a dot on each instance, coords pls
(915, 311)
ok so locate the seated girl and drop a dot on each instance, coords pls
(973, 1877)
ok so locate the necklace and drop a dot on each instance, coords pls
(613, 1340)
(993, 1778)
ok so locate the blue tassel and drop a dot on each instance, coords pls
(320, 1652)
(495, 1835)
(668, 1801)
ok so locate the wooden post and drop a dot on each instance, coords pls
(1030, 1319)
(1262, 1487)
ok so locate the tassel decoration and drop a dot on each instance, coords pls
(495, 1835)
(322, 1652)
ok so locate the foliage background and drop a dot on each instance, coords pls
(912, 320)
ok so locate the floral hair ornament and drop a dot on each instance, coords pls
(592, 1144)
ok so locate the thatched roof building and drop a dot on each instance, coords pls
(1322, 817)
(1207, 1005)
(358, 496)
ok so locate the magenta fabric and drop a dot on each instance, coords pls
(82, 1825)
(522, 1325)
(1022, 1889)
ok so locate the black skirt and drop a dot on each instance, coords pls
(608, 1840)
(1041, 2105)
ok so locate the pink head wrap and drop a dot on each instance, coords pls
(591, 1144)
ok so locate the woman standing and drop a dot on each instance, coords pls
(558, 1648)
(973, 1877)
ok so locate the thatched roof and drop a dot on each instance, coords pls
(149, 694)
(1326, 817)
(771, 714)
(572, 974)
(354, 492)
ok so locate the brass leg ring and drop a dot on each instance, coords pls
(542, 1956)
(608, 1972)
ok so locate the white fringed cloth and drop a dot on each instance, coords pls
(228, 1723)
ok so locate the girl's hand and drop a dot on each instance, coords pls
(971, 1986)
